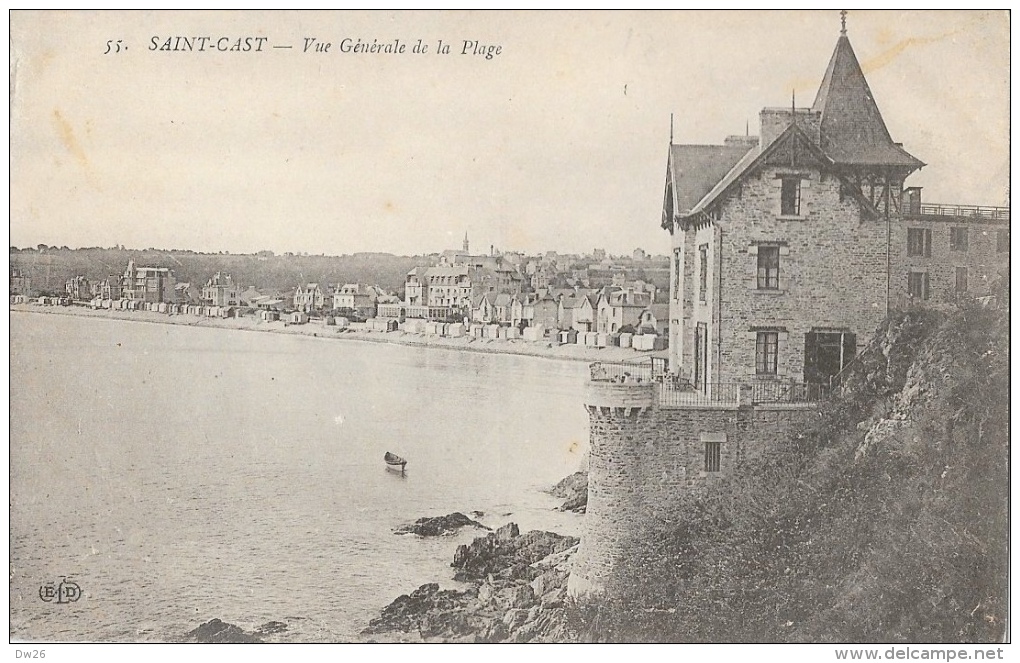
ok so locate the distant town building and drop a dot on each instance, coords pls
(21, 283)
(356, 297)
(620, 308)
(108, 288)
(148, 284)
(309, 297)
(78, 288)
(221, 290)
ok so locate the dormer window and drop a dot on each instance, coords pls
(790, 205)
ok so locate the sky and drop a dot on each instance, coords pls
(558, 142)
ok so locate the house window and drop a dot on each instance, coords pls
(918, 242)
(790, 205)
(713, 456)
(957, 239)
(1002, 241)
(768, 267)
(961, 279)
(703, 260)
(917, 285)
(766, 353)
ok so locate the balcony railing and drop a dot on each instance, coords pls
(678, 393)
(956, 211)
(639, 371)
(788, 392)
(674, 394)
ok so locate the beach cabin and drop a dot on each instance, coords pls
(568, 336)
(267, 315)
(298, 318)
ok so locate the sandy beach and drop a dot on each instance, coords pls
(547, 349)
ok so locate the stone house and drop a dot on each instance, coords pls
(781, 242)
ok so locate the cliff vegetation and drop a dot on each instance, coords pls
(885, 520)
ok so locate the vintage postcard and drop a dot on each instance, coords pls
(510, 327)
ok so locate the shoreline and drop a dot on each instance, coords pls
(519, 347)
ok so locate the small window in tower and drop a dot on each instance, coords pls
(791, 196)
(713, 456)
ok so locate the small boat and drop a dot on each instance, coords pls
(394, 459)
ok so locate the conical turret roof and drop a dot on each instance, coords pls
(852, 129)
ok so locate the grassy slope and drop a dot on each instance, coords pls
(884, 521)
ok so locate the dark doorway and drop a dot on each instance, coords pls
(826, 354)
(701, 357)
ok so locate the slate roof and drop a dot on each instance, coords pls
(695, 169)
(853, 131)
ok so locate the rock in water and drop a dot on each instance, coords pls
(508, 553)
(439, 525)
(574, 490)
(216, 631)
(270, 628)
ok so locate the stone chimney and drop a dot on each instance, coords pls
(774, 121)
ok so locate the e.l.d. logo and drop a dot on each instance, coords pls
(64, 592)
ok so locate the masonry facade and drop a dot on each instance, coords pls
(788, 250)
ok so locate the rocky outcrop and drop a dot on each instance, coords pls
(517, 593)
(574, 491)
(507, 553)
(439, 525)
(216, 631)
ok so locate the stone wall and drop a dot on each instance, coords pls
(643, 461)
(984, 262)
(832, 271)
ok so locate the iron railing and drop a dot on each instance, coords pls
(788, 392)
(638, 371)
(678, 394)
(958, 211)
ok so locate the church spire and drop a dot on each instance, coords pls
(842, 21)
(466, 242)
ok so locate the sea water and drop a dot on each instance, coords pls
(178, 474)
